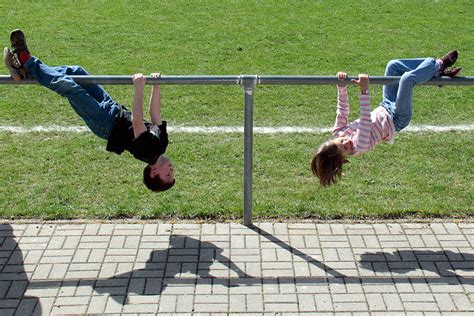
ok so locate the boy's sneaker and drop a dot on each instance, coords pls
(17, 72)
(20, 49)
(451, 71)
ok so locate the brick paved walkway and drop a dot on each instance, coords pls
(227, 268)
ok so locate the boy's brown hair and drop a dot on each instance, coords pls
(327, 163)
(155, 184)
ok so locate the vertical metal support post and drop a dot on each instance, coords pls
(248, 82)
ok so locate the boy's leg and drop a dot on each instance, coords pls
(95, 90)
(420, 71)
(98, 116)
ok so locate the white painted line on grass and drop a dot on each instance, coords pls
(231, 129)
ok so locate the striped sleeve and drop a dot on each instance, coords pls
(361, 139)
(342, 112)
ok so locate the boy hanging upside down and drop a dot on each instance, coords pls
(123, 130)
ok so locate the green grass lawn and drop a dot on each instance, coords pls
(72, 176)
(64, 176)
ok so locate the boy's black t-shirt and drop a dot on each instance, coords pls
(147, 147)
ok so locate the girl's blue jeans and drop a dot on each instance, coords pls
(398, 99)
(91, 102)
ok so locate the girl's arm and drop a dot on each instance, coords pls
(361, 140)
(137, 111)
(155, 102)
(342, 112)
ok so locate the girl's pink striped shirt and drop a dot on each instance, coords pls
(368, 130)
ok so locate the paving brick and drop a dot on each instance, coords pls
(16, 290)
(9, 303)
(430, 241)
(164, 229)
(350, 307)
(150, 229)
(420, 306)
(91, 229)
(42, 271)
(31, 257)
(97, 304)
(42, 292)
(71, 242)
(62, 259)
(462, 302)
(81, 255)
(114, 304)
(375, 301)
(185, 304)
(82, 274)
(69, 309)
(96, 255)
(106, 229)
(58, 271)
(56, 242)
(237, 303)
(26, 306)
(72, 300)
(444, 301)
(32, 230)
(141, 304)
(280, 307)
(393, 302)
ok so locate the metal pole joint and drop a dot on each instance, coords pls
(248, 82)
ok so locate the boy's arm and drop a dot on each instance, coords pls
(342, 112)
(137, 111)
(155, 102)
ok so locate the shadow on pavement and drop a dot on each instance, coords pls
(185, 257)
(13, 278)
(443, 262)
(187, 263)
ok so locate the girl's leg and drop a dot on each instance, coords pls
(404, 103)
(398, 67)
(399, 97)
(98, 113)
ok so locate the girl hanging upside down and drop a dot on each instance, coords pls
(393, 114)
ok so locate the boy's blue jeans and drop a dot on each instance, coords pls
(91, 102)
(398, 99)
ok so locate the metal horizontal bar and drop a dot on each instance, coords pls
(237, 80)
(333, 80)
(125, 80)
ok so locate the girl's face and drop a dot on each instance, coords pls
(344, 144)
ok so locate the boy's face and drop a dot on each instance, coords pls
(165, 170)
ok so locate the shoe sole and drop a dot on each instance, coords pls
(453, 73)
(17, 73)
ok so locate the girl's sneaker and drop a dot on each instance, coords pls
(20, 49)
(449, 59)
(451, 71)
(17, 72)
